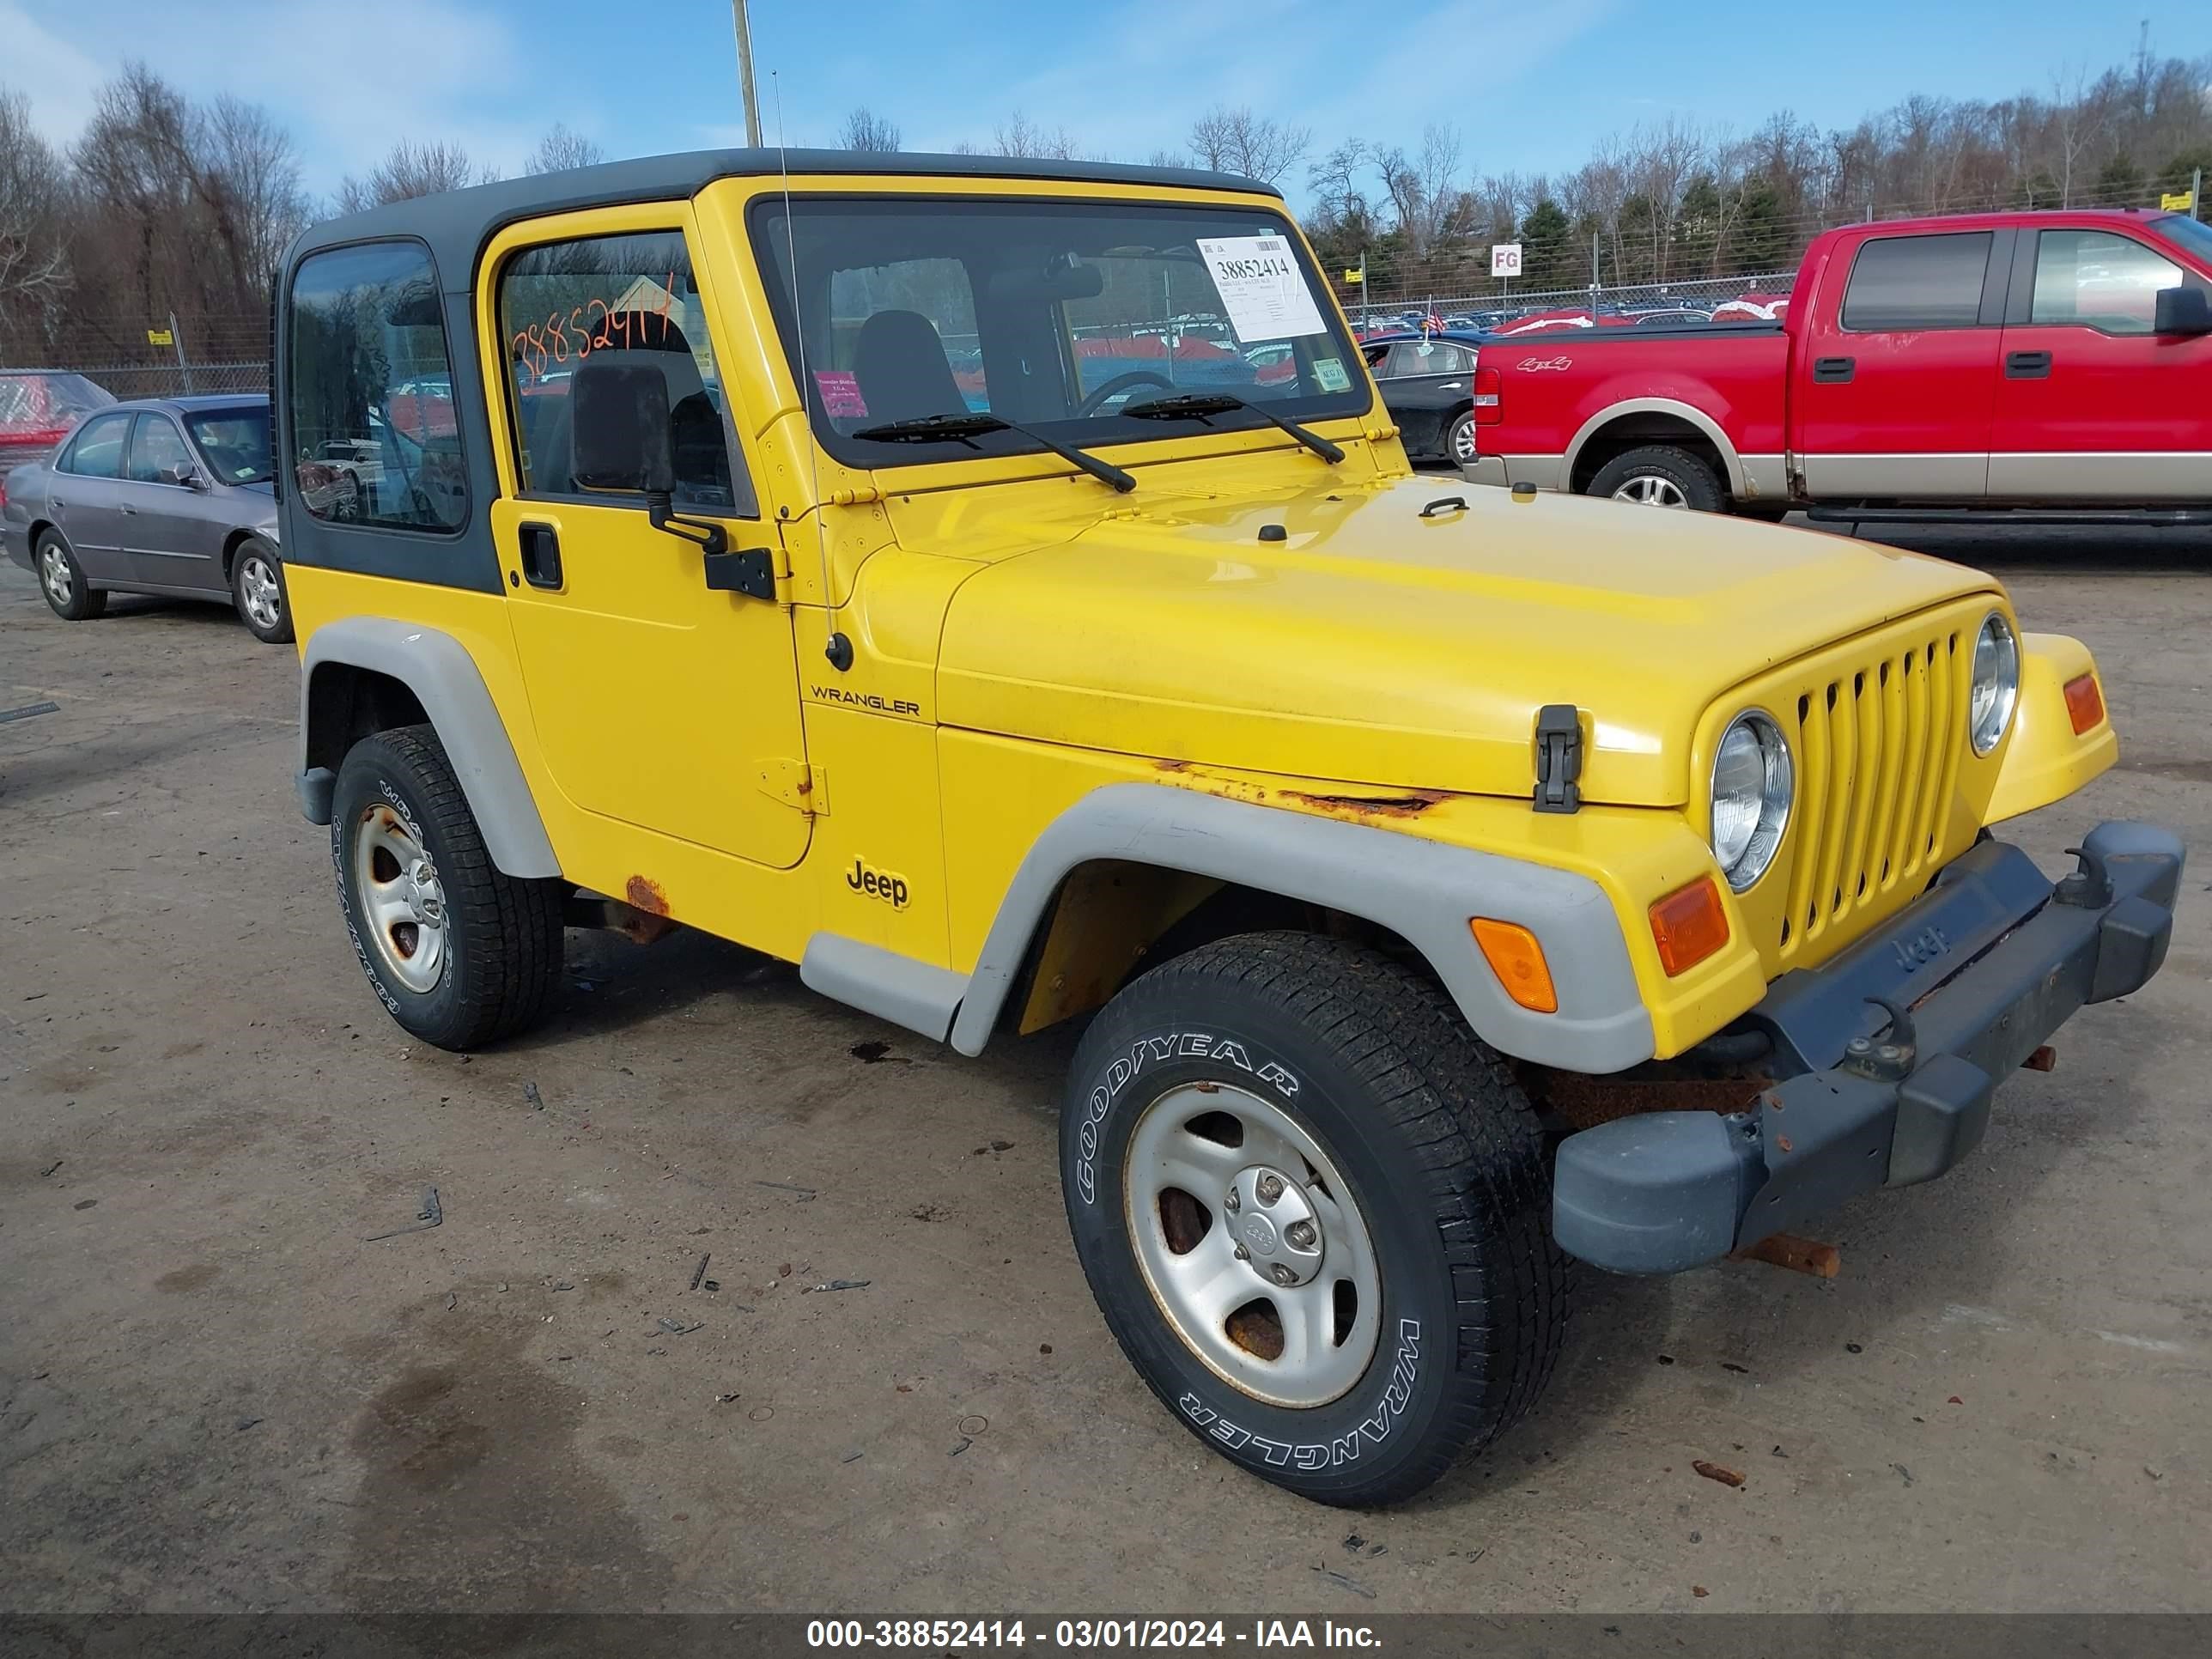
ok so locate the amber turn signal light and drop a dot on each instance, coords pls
(2084, 704)
(1689, 925)
(1518, 960)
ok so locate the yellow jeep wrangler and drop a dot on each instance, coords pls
(995, 587)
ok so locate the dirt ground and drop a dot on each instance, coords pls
(214, 1395)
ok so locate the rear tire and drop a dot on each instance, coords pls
(1425, 1303)
(61, 579)
(1659, 475)
(459, 953)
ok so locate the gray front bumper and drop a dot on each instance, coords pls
(1986, 964)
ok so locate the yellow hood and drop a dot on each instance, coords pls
(1375, 646)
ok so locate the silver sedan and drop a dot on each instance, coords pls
(160, 496)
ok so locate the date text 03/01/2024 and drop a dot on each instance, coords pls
(1085, 1634)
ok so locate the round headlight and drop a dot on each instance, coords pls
(1752, 782)
(1997, 682)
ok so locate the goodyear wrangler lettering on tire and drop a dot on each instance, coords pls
(1149, 1051)
(1310, 1456)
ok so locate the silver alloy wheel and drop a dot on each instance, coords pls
(256, 586)
(53, 565)
(402, 901)
(1463, 444)
(1651, 490)
(1256, 1251)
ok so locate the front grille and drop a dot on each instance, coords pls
(1877, 746)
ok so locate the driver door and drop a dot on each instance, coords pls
(657, 703)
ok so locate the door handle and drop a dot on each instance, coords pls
(540, 546)
(1834, 371)
(2027, 365)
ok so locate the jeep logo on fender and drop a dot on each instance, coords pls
(1921, 949)
(877, 883)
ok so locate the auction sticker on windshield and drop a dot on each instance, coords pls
(1261, 288)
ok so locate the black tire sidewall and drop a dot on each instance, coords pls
(1699, 488)
(84, 601)
(1463, 422)
(251, 547)
(1377, 1436)
(375, 771)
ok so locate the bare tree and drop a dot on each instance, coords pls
(560, 150)
(2076, 124)
(34, 267)
(409, 170)
(1018, 136)
(864, 129)
(1224, 140)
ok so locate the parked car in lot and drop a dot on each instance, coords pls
(1343, 810)
(1427, 382)
(2054, 364)
(158, 496)
(38, 407)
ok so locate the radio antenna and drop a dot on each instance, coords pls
(839, 649)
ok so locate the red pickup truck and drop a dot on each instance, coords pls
(2052, 366)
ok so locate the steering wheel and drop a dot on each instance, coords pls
(1135, 377)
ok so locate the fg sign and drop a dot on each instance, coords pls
(1505, 258)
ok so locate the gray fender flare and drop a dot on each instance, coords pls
(445, 679)
(1422, 890)
(1731, 463)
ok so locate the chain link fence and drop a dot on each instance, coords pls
(126, 381)
(1701, 293)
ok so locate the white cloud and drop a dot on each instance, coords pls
(58, 78)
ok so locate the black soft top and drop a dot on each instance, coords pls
(457, 223)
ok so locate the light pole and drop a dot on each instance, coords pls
(745, 73)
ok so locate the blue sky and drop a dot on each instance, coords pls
(1532, 84)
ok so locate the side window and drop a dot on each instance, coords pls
(156, 448)
(97, 451)
(2091, 276)
(629, 300)
(1918, 281)
(370, 367)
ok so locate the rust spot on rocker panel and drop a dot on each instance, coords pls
(645, 893)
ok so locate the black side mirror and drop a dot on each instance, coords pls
(2183, 310)
(622, 435)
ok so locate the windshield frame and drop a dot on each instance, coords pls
(765, 230)
(191, 419)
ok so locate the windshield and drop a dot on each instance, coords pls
(236, 442)
(2189, 234)
(1056, 316)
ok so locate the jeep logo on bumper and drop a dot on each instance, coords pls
(1921, 949)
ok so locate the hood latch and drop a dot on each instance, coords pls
(1558, 757)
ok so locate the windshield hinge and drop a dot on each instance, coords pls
(802, 788)
(1558, 757)
(855, 497)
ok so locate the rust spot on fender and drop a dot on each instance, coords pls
(1172, 765)
(645, 894)
(1409, 805)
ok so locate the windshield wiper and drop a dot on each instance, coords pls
(1197, 405)
(928, 429)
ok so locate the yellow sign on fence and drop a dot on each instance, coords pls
(2185, 203)
(1355, 276)
(160, 337)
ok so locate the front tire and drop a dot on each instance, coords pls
(1324, 1109)
(257, 587)
(459, 953)
(61, 579)
(1659, 475)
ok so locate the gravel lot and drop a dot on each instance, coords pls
(214, 1395)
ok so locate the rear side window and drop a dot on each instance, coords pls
(97, 451)
(369, 365)
(2094, 277)
(615, 300)
(1918, 281)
